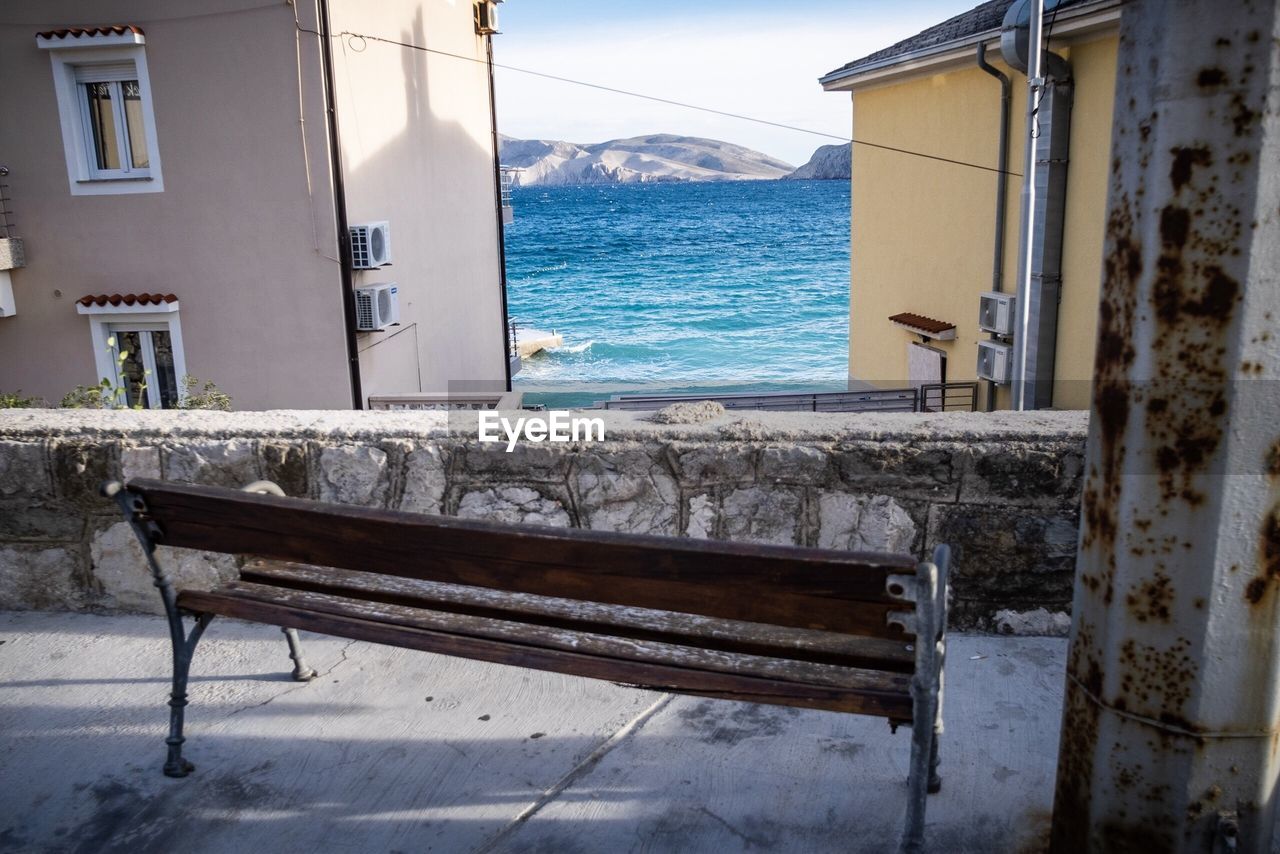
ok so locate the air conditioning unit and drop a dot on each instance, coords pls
(370, 245)
(377, 307)
(996, 312)
(486, 12)
(994, 361)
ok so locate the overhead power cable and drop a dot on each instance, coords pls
(862, 142)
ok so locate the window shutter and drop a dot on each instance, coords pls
(105, 72)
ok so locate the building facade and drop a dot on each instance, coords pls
(180, 189)
(924, 229)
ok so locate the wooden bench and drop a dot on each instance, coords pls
(844, 631)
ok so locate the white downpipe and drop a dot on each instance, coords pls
(1035, 85)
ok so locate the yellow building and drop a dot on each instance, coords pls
(924, 234)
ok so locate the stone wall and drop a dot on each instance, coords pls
(1003, 489)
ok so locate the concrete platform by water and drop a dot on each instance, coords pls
(530, 341)
(393, 750)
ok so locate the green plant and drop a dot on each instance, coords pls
(85, 397)
(209, 396)
(15, 400)
(106, 394)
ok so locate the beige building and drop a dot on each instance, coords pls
(180, 188)
(925, 242)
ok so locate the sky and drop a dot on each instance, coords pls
(760, 58)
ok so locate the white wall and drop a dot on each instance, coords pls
(417, 150)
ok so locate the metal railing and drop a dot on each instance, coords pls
(457, 400)
(949, 397)
(934, 397)
(6, 212)
(507, 177)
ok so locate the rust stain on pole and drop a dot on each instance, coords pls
(1268, 559)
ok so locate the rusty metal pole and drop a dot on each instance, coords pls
(1169, 731)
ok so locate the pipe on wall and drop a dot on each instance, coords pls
(1045, 286)
(1002, 187)
(1044, 199)
(497, 200)
(340, 206)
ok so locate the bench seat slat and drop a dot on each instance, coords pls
(718, 660)
(786, 586)
(620, 621)
(358, 621)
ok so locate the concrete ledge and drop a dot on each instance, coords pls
(19, 424)
(1003, 489)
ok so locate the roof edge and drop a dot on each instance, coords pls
(1075, 19)
(111, 34)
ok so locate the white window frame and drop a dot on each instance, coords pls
(108, 320)
(83, 174)
(124, 146)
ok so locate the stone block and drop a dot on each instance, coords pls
(627, 490)
(1037, 623)
(864, 523)
(354, 474)
(799, 464)
(42, 577)
(42, 521)
(424, 480)
(139, 461)
(24, 470)
(515, 505)
(900, 470)
(761, 515)
(1007, 558)
(1016, 473)
(227, 463)
(688, 412)
(702, 517)
(285, 464)
(712, 464)
(540, 463)
(124, 580)
(80, 469)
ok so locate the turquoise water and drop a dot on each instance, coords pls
(681, 287)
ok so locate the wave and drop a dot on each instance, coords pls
(649, 285)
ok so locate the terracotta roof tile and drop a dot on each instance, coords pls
(77, 32)
(126, 299)
(919, 321)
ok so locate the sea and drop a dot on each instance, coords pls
(681, 288)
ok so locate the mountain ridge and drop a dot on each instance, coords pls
(660, 157)
(828, 163)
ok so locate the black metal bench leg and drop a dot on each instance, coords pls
(301, 672)
(182, 641)
(183, 650)
(935, 781)
(175, 765)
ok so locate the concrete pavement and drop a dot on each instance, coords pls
(394, 750)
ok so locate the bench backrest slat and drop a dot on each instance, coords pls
(804, 588)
